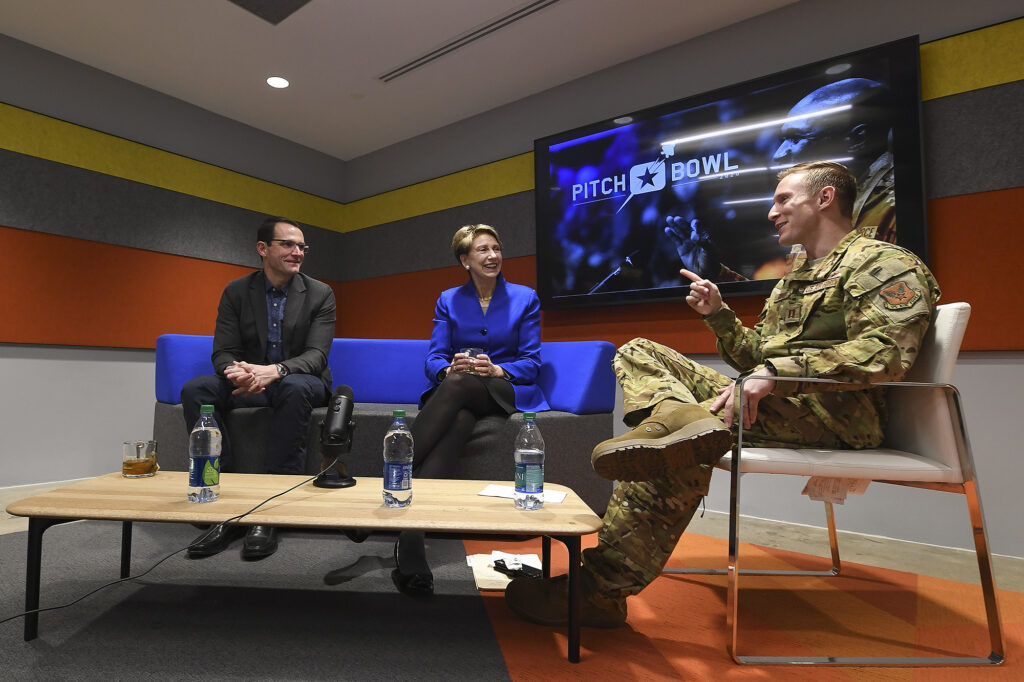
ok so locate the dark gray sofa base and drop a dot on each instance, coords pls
(569, 439)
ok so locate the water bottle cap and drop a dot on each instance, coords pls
(206, 409)
(529, 416)
(398, 413)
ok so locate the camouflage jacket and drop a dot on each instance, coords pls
(859, 314)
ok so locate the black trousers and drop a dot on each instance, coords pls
(291, 400)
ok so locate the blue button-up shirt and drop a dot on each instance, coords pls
(276, 299)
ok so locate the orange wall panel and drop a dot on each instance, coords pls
(976, 243)
(402, 306)
(67, 291)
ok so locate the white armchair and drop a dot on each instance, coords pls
(926, 446)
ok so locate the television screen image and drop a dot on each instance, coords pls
(623, 204)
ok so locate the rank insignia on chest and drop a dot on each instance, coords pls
(899, 296)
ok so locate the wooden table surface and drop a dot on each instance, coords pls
(438, 505)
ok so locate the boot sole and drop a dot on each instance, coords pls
(639, 459)
(586, 620)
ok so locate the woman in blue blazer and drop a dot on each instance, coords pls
(502, 319)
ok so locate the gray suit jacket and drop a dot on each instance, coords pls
(241, 332)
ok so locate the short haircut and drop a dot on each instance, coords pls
(266, 231)
(465, 235)
(821, 174)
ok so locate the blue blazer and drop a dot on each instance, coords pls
(509, 333)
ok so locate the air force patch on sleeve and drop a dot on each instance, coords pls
(898, 296)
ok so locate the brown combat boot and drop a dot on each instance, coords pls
(674, 437)
(546, 601)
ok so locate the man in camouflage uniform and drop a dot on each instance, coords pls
(857, 310)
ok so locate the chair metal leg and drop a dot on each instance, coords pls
(732, 595)
(833, 539)
(988, 581)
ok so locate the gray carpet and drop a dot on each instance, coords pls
(322, 607)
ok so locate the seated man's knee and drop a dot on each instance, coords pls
(201, 389)
(298, 388)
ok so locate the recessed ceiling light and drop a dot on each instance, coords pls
(837, 69)
(277, 82)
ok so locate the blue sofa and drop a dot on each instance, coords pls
(384, 374)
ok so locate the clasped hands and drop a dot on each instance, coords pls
(480, 365)
(250, 379)
(706, 299)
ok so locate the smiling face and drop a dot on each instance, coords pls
(483, 259)
(281, 262)
(795, 210)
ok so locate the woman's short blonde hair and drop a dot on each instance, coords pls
(465, 235)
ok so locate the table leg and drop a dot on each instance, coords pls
(545, 556)
(126, 548)
(572, 544)
(33, 563)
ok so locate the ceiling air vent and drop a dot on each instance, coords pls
(466, 38)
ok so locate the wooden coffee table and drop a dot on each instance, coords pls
(440, 506)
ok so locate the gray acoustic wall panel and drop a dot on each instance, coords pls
(974, 141)
(55, 198)
(424, 242)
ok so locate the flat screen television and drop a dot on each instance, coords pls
(622, 204)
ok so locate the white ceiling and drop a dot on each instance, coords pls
(216, 55)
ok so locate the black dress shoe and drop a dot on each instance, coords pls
(260, 542)
(412, 584)
(214, 541)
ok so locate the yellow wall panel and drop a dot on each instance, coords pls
(974, 60)
(489, 181)
(48, 138)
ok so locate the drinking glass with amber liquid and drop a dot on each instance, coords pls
(138, 458)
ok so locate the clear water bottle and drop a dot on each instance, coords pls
(529, 453)
(398, 463)
(204, 458)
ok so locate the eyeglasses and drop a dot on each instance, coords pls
(289, 245)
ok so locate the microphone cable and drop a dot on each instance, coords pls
(177, 551)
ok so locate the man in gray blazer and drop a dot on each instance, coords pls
(270, 347)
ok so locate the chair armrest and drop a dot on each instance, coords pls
(180, 357)
(928, 425)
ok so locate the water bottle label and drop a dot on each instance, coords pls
(203, 471)
(398, 475)
(529, 478)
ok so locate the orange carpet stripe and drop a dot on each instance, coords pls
(677, 630)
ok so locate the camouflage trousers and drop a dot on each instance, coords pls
(645, 519)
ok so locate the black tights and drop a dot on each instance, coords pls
(439, 433)
(445, 423)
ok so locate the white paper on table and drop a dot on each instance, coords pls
(489, 579)
(494, 490)
(834, 490)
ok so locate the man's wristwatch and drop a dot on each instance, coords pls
(771, 368)
(282, 370)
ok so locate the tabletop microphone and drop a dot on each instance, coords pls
(336, 440)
